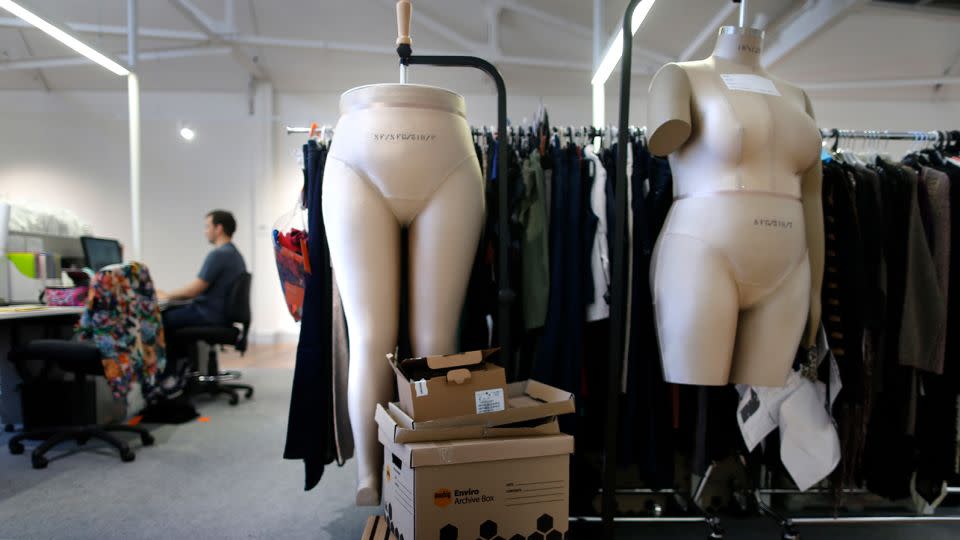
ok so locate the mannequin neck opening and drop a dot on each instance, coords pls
(739, 45)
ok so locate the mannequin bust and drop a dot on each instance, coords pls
(737, 269)
(403, 157)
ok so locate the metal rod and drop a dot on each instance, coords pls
(404, 76)
(855, 520)
(622, 519)
(743, 13)
(618, 285)
(884, 134)
(134, 129)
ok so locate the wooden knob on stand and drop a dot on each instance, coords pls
(404, 11)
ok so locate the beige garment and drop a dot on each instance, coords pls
(343, 434)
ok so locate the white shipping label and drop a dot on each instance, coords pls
(746, 82)
(489, 400)
(421, 387)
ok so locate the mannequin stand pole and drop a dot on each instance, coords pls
(506, 294)
(618, 305)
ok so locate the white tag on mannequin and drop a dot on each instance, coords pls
(746, 82)
(489, 400)
(421, 387)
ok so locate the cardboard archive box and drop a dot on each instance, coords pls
(459, 384)
(478, 488)
(531, 410)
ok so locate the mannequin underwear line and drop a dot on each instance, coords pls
(405, 209)
(760, 250)
(753, 291)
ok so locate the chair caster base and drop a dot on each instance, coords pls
(39, 462)
(16, 448)
(127, 455)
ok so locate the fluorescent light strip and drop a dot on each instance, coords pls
(62, 36)
(615, 52)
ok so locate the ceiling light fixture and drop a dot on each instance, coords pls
(62, 36)
(615, 51)
(187, 133)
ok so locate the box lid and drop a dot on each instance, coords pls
(441, 362)
(526, 400)
(393, 421)
(432, 454)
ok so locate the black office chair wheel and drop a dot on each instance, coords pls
(15, 448)
(127, 455)
(8, 428)
(39, 462)
(82, 440)
(147, 439)
(249, 393)
(234, 399)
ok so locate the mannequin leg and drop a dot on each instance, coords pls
(364, 239)
(770, 332)
(696, 303)
(443, 241)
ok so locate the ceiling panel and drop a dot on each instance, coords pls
(876, 45)
(873, 43)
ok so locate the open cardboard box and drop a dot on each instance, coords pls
(459, 384)
(526, 401)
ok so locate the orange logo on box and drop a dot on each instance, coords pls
(442, 497)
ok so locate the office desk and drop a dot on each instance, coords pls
(15, 321)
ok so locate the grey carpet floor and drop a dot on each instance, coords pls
(219, 479)
(225, 479)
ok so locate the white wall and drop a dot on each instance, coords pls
(70, 150)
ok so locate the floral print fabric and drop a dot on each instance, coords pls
(122, 318)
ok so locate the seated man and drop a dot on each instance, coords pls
(208, 292)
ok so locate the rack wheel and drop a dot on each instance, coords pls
(147, 439)
(249, 393)
(15, 448)
(127, 455)
(716, 530)
(39, 462)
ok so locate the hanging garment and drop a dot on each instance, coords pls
(536, 253)
(934, 206)
(342, 431)
(924, 309)
(560, 358)
(647, 414)
(312, 432)
(122, 317)
(890, 451)
(598, 307)
(842, 315)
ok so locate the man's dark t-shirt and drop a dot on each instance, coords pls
(220, 270)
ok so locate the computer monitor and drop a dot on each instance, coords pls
(100, 252)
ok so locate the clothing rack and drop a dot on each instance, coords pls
(618, 308)
(884, 135)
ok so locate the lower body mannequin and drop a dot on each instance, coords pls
(731, 288)
(403, 157)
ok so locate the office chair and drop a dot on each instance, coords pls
(235, 335)
(81, 359)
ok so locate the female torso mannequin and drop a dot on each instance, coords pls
(403, 157)
(737, 269)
